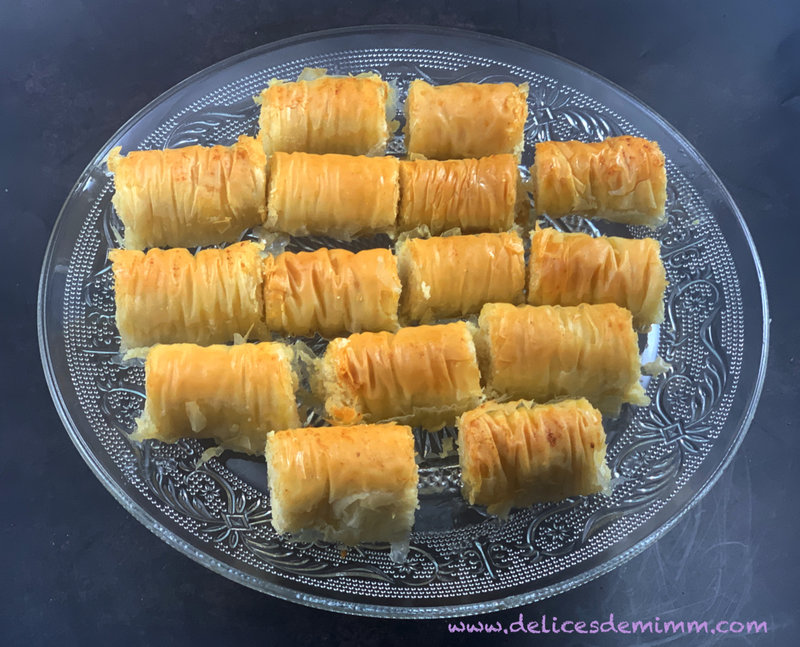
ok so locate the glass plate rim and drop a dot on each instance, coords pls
(371, 609)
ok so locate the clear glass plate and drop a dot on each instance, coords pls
(665, 456)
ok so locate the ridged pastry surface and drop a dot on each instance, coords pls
(475, 195)
(341, 196)
(546, 352)
(515, 454)
(196, 195)
(327, 114)
(170, 296)
(331, 292)
(465, 119)
(347, 484)
(456, 275)
(622, 179)
(571, 268)
(234, 394)
(423, 375)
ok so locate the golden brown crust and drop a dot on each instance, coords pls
(518, 453)
(183, 197)
(569, 269)
(465, 119)
(621, 179)
(424, 375)
(545, 352)
(169, 296)
(332, 195)
(327, 114)
(457, 275)
(346, 484)
(331, 292)
(475, 195)
(234, 394)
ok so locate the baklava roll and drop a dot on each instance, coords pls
(475, 195)
(341, 196)
(326, 114)
(184, 197)
(343, 484)
(569, 269)
(331, 292)
(169, 296)
(622, 179)
(465, 119)
(546, 352)
(233, 394)
(515, 454)
(457, 275)
(424, 376)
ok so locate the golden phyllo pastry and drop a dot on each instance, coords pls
(326, 114)
(343, 484)
(332, 195)
(516, 454)
(331, 292)
(233, 394)
(569, 269)
(546, 352)
(622, 179)
(465, 119)
(474, 195)
(424, 375)
(457, 275)
(183, 197)
(169, 296)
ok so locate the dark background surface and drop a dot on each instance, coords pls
(77, 569)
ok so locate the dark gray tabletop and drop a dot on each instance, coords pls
(78, 569)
